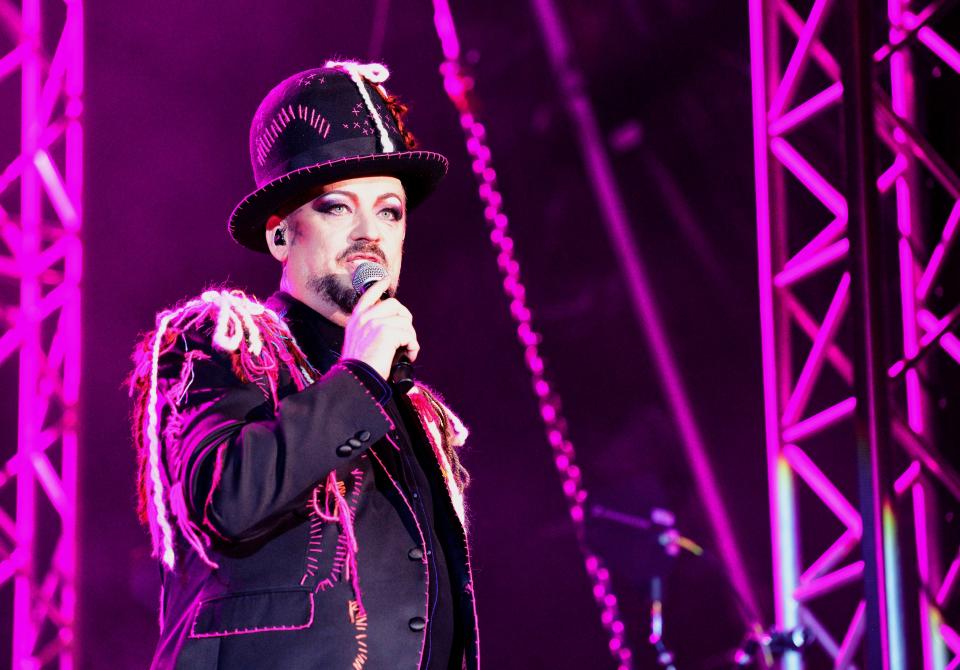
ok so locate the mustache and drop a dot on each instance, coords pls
(363, 248)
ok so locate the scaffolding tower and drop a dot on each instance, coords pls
(839, 224)
(40, 265)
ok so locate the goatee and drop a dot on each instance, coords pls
(340, 293)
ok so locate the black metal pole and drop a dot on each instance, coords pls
(872, 415)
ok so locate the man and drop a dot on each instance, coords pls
(307, 512)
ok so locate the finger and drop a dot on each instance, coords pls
(372, 295)
(412, 345)
(388, 308)
(400, 333)
(396, 307)
(399, 330)
(413, 349)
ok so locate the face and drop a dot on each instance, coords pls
(344, 224)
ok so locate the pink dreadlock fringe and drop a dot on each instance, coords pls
(258, 341)
(341, 514)
(445, 431)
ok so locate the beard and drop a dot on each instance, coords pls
(334, 288)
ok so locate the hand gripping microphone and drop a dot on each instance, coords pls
(367, 274)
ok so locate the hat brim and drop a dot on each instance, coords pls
(418, 171)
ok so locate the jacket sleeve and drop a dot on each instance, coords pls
(243, 464)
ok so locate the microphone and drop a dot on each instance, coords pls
(364, 276)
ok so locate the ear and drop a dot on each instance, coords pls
(278, 251)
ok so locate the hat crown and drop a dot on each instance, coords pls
(321, 126)
(320, 115)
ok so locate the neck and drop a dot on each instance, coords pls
(317, 303)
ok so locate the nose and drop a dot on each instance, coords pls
(365, 227)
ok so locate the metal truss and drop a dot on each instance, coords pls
(808, 273)
(40, 264)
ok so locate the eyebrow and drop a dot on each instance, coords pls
(384, 196)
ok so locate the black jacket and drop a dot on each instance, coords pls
(253, 477)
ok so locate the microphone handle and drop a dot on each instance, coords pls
(401, 375)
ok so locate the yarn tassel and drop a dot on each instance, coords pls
(258, 339)
(341, 514)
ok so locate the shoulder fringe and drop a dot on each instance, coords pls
(445, 432)
(258, 341)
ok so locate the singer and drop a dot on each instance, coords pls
(305, 506)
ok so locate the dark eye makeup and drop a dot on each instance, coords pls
(330, 207)
(327, 206)
(395, 211)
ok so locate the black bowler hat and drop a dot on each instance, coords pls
(324, 125)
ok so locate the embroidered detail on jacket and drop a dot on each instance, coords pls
(318, 518)
(250, 629)
(367, 391)
(343, 513)
(359, 621)
(314, 546)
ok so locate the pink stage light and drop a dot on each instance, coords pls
(458, 87)
(642, 299)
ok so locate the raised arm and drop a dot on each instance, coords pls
(244, 464)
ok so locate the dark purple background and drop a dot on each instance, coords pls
(171, 88)
(170, 92)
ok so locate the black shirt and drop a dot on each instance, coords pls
(414, 468)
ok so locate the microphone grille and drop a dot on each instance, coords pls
(366, 274)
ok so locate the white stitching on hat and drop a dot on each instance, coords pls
(375, 73)
(400, 156)
(280, 122)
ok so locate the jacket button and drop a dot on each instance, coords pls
(344, 450)
(417, 623)
(363, 435)
(415, 554)
(355, 443)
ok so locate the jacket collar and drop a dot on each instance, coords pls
(318, 337)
